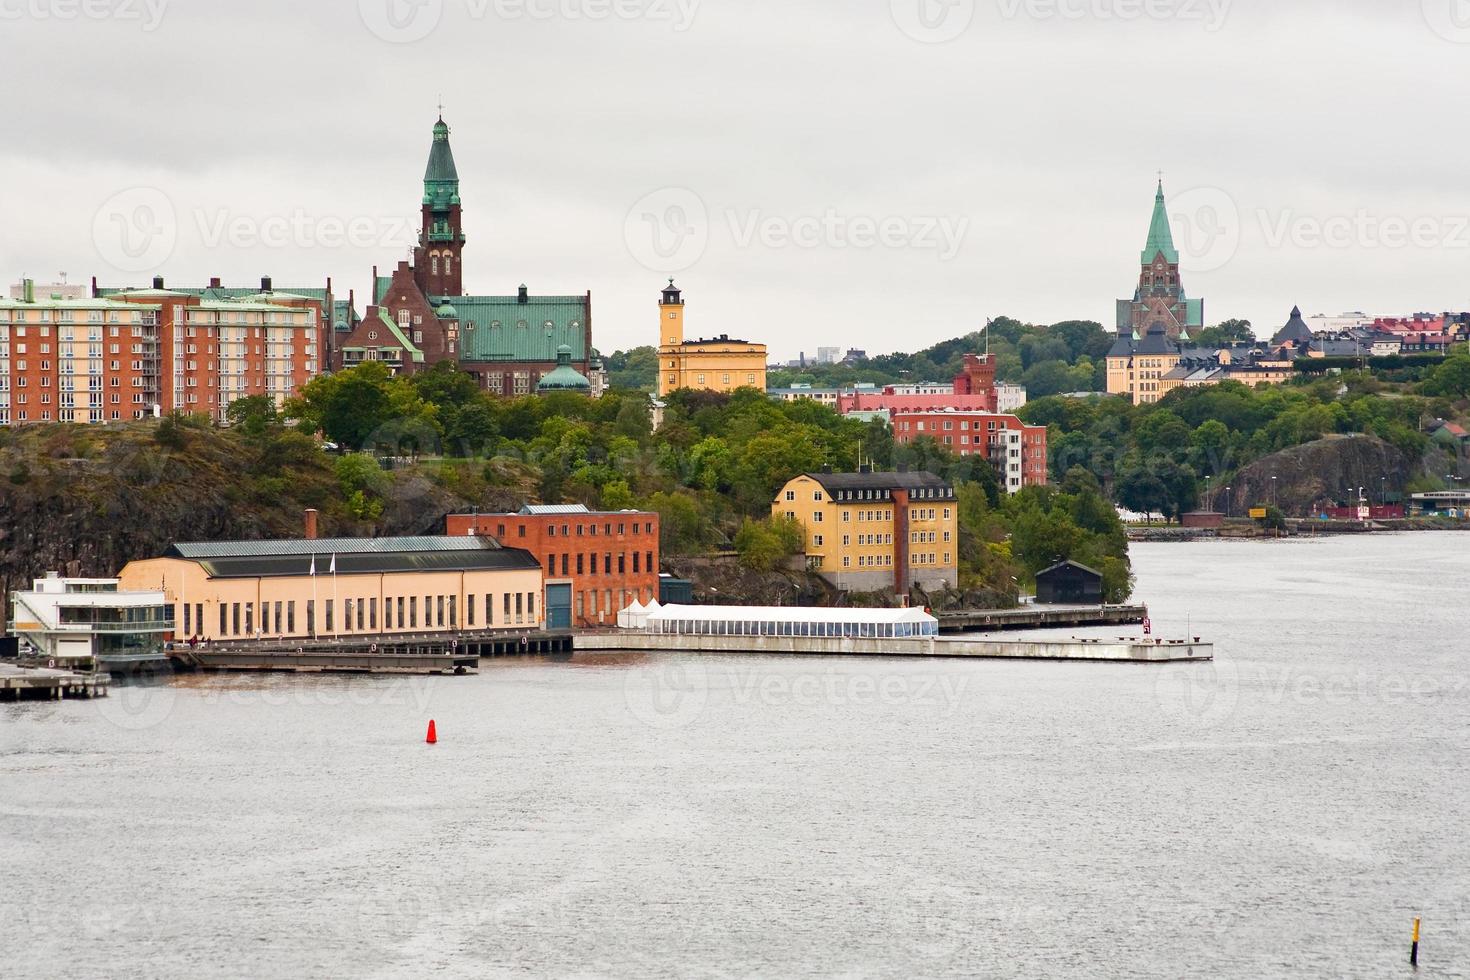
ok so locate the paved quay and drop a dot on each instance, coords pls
(1119, 651)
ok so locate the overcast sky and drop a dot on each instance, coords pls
(881, 174)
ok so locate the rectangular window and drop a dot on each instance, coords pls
(311, 617)
(187, 617)
(361, 618)
(224, 627)
(520, 603)
(291, 616)
(489, 610)
(507, 609)
(531, 606)
(235, 618)
(330, 616)
(413, 612)
(453, 617)
(439, 608)
(469, 610)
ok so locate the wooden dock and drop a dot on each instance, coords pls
(19, 683)
(458, 653)
(1039, 617)
(1120, 651)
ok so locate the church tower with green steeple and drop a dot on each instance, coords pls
(437, 259)
(1160, 296)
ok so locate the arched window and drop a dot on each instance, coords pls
(434, 262)
(448, 264)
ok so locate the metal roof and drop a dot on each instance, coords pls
(325, 547)
(553, 510)
(880, 481)
(788, 614)
(296, 566)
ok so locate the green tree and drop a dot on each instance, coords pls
(764, 544)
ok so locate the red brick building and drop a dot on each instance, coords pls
(1017, 450)
(420, 314)
(131, 354)
(595, 563)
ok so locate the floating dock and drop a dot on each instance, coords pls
(1149, 651)
(1040, 617)
(45, 684)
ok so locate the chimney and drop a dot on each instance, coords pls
(865, 469)
(903, 467)
(158, 282)
(94, 287)
(214, 282)
(523, 297)
(265, 284)
(311, 524)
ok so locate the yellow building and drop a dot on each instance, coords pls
(306, 588)
(866, 532)
(720, 364)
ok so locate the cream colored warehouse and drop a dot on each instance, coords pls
(300, 589)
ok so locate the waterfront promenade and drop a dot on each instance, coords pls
(1119, 650)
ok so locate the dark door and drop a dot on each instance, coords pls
(559, 607)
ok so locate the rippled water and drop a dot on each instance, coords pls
(1286, 811)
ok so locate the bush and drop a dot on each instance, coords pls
(763, 545)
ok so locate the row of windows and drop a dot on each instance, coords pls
(360, 615)
(588, 564)
(566, 529)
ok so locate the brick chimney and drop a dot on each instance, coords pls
(311, 524)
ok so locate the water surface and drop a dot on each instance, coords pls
(1285, 811)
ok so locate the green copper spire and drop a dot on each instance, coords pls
(441, 179)
(1160, 238)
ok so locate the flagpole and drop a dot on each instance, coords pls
(313, 597)
(336, 613)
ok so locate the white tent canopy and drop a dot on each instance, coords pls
(791, 621)
(634, 617)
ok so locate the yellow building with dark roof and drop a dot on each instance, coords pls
(719, 364)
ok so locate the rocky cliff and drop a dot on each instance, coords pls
(1305, 478)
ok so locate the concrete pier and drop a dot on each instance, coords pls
(1119, 651)
(44, 684)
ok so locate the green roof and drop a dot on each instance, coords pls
(565, 377)
(1160, 238)
(502, 328)
(441, 178)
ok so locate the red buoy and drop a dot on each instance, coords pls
(433, 738)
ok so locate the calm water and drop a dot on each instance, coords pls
(1284, 812)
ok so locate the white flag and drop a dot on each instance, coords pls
(334, 565)
(313, 565)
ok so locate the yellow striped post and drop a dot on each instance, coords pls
(1414, 950)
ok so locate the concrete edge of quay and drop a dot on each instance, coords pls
(1101, 651)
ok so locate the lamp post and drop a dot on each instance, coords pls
(1229, 502)
(1273, 491)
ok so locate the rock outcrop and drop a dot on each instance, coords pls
(1305, 478)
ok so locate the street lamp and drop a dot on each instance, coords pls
(1273, 491)
(1229, 502)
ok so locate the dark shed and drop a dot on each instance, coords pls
(1069, 584)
